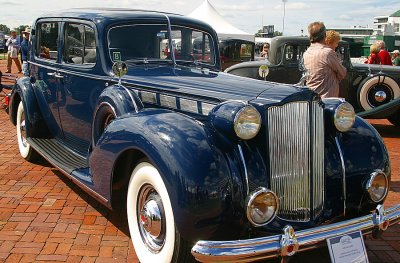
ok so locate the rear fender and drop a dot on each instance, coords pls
(24, 90)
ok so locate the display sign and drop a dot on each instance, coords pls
(2, 40)
(348, 248)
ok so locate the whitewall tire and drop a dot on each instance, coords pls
(377, 90)
(25, 149)
(147, 199)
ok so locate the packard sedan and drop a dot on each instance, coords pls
(373, 90)
(132, 107)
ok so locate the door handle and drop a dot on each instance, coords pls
(59, 76)
(51, 73)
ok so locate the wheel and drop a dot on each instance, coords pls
(395, 118)
(105, 114)
(151, 219)
(377, 90)
(25, 149)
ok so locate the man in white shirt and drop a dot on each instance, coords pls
(13, 46)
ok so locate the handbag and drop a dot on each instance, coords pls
(14, 52)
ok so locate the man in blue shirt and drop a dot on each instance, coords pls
(24, 51)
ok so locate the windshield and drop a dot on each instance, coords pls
(147, 43)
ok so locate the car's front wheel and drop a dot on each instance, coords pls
(151, 219)
(25, 149)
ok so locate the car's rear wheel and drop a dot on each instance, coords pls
(25, 149)
(377, 90)
(151, 219)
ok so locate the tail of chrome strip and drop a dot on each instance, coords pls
(296, 154)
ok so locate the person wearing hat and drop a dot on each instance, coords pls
(396, 58)
(24, 51)
(13, 46)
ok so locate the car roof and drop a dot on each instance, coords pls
(110, 15)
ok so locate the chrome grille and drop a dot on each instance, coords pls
(296, 154)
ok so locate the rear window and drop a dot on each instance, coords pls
(47, 44)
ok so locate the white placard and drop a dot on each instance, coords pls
(348, 248)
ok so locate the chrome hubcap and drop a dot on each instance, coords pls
(151, 218)
(380, 96)
(22, 129)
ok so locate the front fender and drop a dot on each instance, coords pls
(195, 171)
(360, 141)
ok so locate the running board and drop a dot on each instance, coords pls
(58, 155)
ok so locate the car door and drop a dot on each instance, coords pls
(80, 83)
(44, 68)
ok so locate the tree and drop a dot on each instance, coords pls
(277, 33)
(21, 28)
(5, 29)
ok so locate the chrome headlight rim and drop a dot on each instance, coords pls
(236, 123)
(340, 124)
(250, 199)
(369, 183)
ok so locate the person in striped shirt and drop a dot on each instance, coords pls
(323, 66)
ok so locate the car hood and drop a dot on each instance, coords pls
(205, 83)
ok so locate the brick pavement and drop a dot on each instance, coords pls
(45, 218)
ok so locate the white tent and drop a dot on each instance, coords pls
(208, 14)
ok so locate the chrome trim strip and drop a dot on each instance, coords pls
(343, 174)
(245, 169)
(206, 108)
(130, 96)
(148, 97)
(318, 167)
(269, 247)
(168, 101)
(188, 105)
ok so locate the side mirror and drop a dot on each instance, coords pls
(120, 69)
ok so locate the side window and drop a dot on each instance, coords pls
(192, 45)
(80, 44)
(46, 45)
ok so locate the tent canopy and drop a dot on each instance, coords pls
(208, 14)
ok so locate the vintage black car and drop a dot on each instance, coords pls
(131, 106)
(373, 90)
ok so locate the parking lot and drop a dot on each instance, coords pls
(46, 218)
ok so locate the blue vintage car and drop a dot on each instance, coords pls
(373, 90)
(131, 106)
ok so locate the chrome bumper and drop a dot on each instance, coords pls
(288, 243)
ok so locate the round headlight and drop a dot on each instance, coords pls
(247, 122)
(377, 186)
(262, 206)
(344, 117)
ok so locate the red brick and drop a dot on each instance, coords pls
(52, 258)
(63, 249)
(49, 248)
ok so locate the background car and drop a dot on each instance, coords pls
(197, 157)
(373, 90)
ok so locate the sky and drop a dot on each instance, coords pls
(248, 15)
